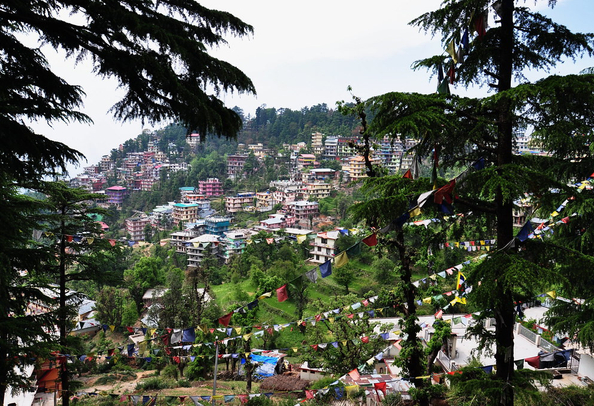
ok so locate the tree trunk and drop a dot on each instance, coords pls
(411, 327)
(63, 317)
(504, 313)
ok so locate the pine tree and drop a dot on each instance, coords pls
(158, 52)
(74, 251)
(482, 131)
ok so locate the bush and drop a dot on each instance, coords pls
(155, 383)
(170, 371)
(184, 383)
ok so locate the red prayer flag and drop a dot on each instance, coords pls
(350, 316)
(315, 347)
(226, 319)
(381, 386)
(365, 339)
(318, 317)
(354, 374)
(365, 302)
(130, 330)
(371, 240)
(445, 192)
(407, 175)
(439, 314)
(534, 361)
(281, 293)
(309, 394)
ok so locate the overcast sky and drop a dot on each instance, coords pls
(302, 54)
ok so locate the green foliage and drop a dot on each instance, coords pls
(259, 401)
(155, 383)
(348, 333)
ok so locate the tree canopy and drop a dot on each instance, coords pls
(481, 132)
(157, 50)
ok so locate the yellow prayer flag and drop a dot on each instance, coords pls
(427, 300)
(331, 320)
(554, 214)
(415, 212)
(90, 240)
(295, 349)
(341, 259)
(238, 330)
(112, 328)
(370, 361)
(247, 336)
(552, 294)
(301, 238)
(451, 50)
(265, 295)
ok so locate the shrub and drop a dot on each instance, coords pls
(170, 371)
(155, 383)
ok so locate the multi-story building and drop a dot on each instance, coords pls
(305, 161)
(323, 247)
(355, 167)
(235, 204)
(303, 209)
(217, 225)
(135, 226)
(343, 147)
(317, 190)
(320, 174)
(210, 187)
(286, 195)
(106, 163)
(234, 243)
(331, 148)
(185, 213)
(317, 143)
(181, 239)
(185, 191)
(277, 221)
(264, 201)
(115, 195)
(235, 166)
(201, 246)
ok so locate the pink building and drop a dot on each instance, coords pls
(115, 194)
(210, 187)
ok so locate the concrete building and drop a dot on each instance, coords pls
(115, 195)
(135, 225)
(233, 243)
(210, 187)
(235, 204)
(181, 239)
(303, 209)
(217, 225)
(323, 247)
(184, 213)
(317, 190)
(264, 201)
(201, 246)
(235, 166)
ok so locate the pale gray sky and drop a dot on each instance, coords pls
(301, 54)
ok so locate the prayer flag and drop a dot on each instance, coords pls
(326, 269)
(525, 232)
(408, 174)
(312, 275)
(451, 49)
(354, 250)
(341, 259)
(354, 374)
(461, 279)
(226, 319)
(281, 293)
(371, 240)
(301, 238)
